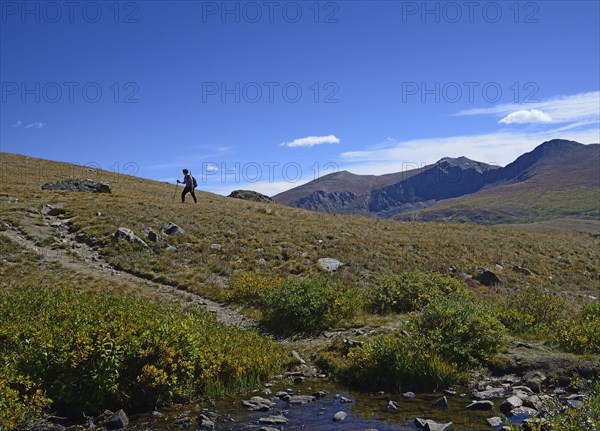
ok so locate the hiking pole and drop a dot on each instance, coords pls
(175, 194)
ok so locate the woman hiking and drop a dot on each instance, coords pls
(190, 184)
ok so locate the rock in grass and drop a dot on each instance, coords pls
(124, 234)
(171, 229)
(150, 234)
(339, 416)
(393, 405)
(78, 185)
(329, 264)
(408, 395)
(488, 278)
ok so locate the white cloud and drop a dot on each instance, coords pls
(36, 124)
(311, 141)
(19, 123)
(562, 109)
(526, 116)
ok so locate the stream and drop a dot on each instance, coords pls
(366, 411)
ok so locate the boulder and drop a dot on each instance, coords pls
(150, 234)
(274, 420)
(480, 405)
(430, 425)
(114, 421)
(339, 416)
(258, 404)
(249, 195)
(489, 393)
(510, 403)
(301, 399)
(442, 403)
(124, 234)
(495, 422)
(488, 278)
(329, 264)
(78, 185)
(171, 229)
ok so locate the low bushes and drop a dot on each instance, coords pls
(460, 329)
(89, 351)
(408, 291)
(308, 305)
(582, 334)
(392, 362)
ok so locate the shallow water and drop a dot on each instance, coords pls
(367, 410)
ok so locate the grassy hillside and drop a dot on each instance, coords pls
(263, 259)
(278, 240)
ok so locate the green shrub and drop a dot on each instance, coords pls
(530, 310)
(252, 289)
(308, 305)
(409, 291)
(459, 329)
(582, 334)
(392, 361)
(21, 401)
(89, 351)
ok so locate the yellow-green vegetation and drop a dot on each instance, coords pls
(100, 345)
(266, 260)
(409, 291)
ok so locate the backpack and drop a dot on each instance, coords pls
(195, 182)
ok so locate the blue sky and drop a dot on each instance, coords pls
(266, 95)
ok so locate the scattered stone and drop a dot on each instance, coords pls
(301, 399)
(274, 420)
(449, 392)
(489, 393)
(408, 395)
(330, 264)
(98, 213)
(54, 209)
(258, 404)
(339, 416)
(320, 394)
(480, 405)
(345, 400)
(113, 421)
(249, 195)
(495, 422)
(78, 185)
(215, 246)
(575, 404)
(488, 278)
(393, 405)
(171, 229)
(430, 425)
(523, 412)
(535, 381)
(150, 234)
(510, 403)
(124, 234)
(521, 270)
(268, 429)
(442, 403)
(297, 357)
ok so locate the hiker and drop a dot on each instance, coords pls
(190, 184)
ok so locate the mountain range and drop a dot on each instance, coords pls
(559, 178)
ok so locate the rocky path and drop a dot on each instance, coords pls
(81, 258)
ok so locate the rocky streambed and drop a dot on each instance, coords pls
(293, 403)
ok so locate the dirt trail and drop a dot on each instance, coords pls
(81, 258)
